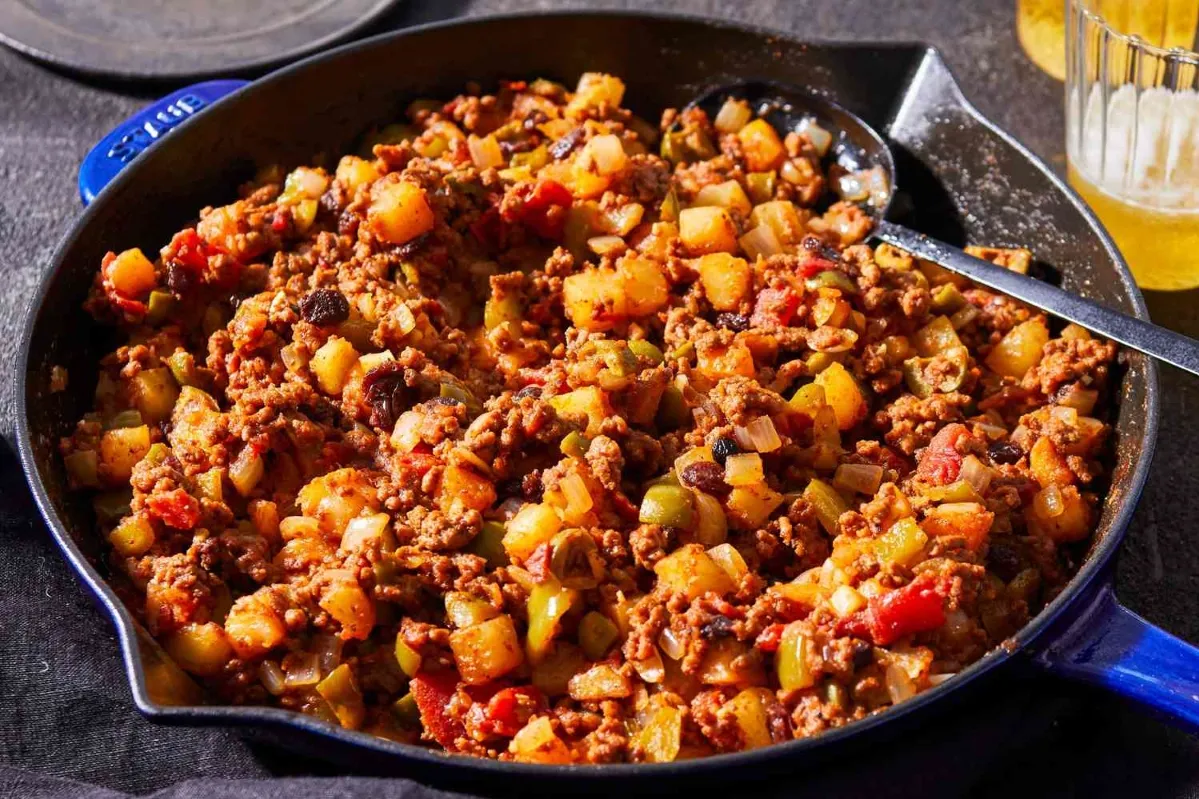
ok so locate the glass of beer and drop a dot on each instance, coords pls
(1132, 130)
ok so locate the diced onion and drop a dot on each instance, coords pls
(963, 316)
(607, 153)
(671, 646)
(299, 527)
(820, 138)
(976, 474)
(406, 435)
(761, 241)
(578, 498)
(733, 116)
(485, 151)
(405, 321)
(900, 685)
(790, 173)
(864, 478)
(846, 601)
(762, 435)
(328, 652)
(937, 679)
(741, 436)
(1048, 502)
(304, 669)
(877, 185)
(273, 678)
(293, 360)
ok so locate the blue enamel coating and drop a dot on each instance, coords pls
(118, 149)
(1112, 647)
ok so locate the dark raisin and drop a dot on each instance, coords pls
(733, 321)
(718, 627)
(386, 393)
(1005, 452)
(1004, 558)
(529, 391)
(534, 119)
(445, 401)
(707, 477)
(408, 249)
(531, 486)
(723, 448)
(180, 279)
(565, 145)
(863, 655)
(324, 307)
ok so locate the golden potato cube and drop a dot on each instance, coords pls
(1020, 349)
(601, 681)
(537, 743)
(354, 172)
(460, 485)
(252, 626)
(155, 392)
(594, 299)
(343, 599)
(726, 280)
(843, 395)
(716, 361)
(331, 364)
(688, 570)
(121, 449)
(201, 649)
(1072, 524)
(486, 651)
(706, 230)
(723, 195)
(132, 537)
(131, 273)
(780, 216)
(532, 526)
(644, 286)
(761, 146)
(749, 709)
(399, 212)
(750, 506)
(587, 405)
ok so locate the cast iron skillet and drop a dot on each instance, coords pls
(964, 181)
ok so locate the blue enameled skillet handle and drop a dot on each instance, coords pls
(1110, 646)
(116, 150)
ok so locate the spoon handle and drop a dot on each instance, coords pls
(1163, 344)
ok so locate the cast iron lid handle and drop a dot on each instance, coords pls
(129, 139)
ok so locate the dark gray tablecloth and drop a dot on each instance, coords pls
(68, 728)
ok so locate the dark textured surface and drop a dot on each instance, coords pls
(64, 707)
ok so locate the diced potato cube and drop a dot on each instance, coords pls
(354, 173)
(131, 273)
(749, 709)
(707, 230)
(846, 601)
(644, 285)
(595, 89)
(532, 526)
(781, 217)
(1020, 349)
(843, 395)
(588, 405)
(343, 599)
(121, 449)
(726, 663)
(601, 681)
(253, 627)
(716, 361)
(968, 519)
(132, 537)
(465, 486)
(362, 531)
(399, 212)
(762, 147)
(750, 506)
(689, 570)
(659, 741)
(594, 299)
(537, 743)
(335, 498)
(1048, 466)
(201, 649)
(723, 195)
(726, 280)
(331, 364)
(486, 651)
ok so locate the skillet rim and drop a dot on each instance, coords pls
(408, 754)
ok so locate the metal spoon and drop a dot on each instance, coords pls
(857, 146)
